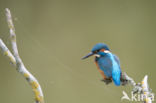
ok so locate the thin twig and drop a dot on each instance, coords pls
(7, 52)
(17, 62)
(141, 88)
(146, 90)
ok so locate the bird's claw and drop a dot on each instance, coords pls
(123, 80)
(107, 80)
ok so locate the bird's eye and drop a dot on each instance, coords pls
(96, 51)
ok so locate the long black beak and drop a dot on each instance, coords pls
(88, 55)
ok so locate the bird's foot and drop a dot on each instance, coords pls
(123, 80)
(107, 80)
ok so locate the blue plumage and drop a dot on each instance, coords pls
(108, 63)
(99, 46)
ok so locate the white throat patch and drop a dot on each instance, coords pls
(106, 51)
(97, 55)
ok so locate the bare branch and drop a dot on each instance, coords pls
(146, 90)
(7, 52)
(17, 62)
(141, 88)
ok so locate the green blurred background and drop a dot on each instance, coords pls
(53, 35)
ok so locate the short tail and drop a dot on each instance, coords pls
(116, 77)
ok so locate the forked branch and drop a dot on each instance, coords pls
(141, 88)
(17, 62)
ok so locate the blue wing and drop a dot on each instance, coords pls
(110, 65)
(116, 72)
(105, 64)
(116, 59)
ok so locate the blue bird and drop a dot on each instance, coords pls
(107, 63)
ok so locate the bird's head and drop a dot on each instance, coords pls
(98, 50)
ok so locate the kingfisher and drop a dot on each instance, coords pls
(107, 63)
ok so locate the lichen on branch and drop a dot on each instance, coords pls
(15, 59)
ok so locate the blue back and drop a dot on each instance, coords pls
(110, 65)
